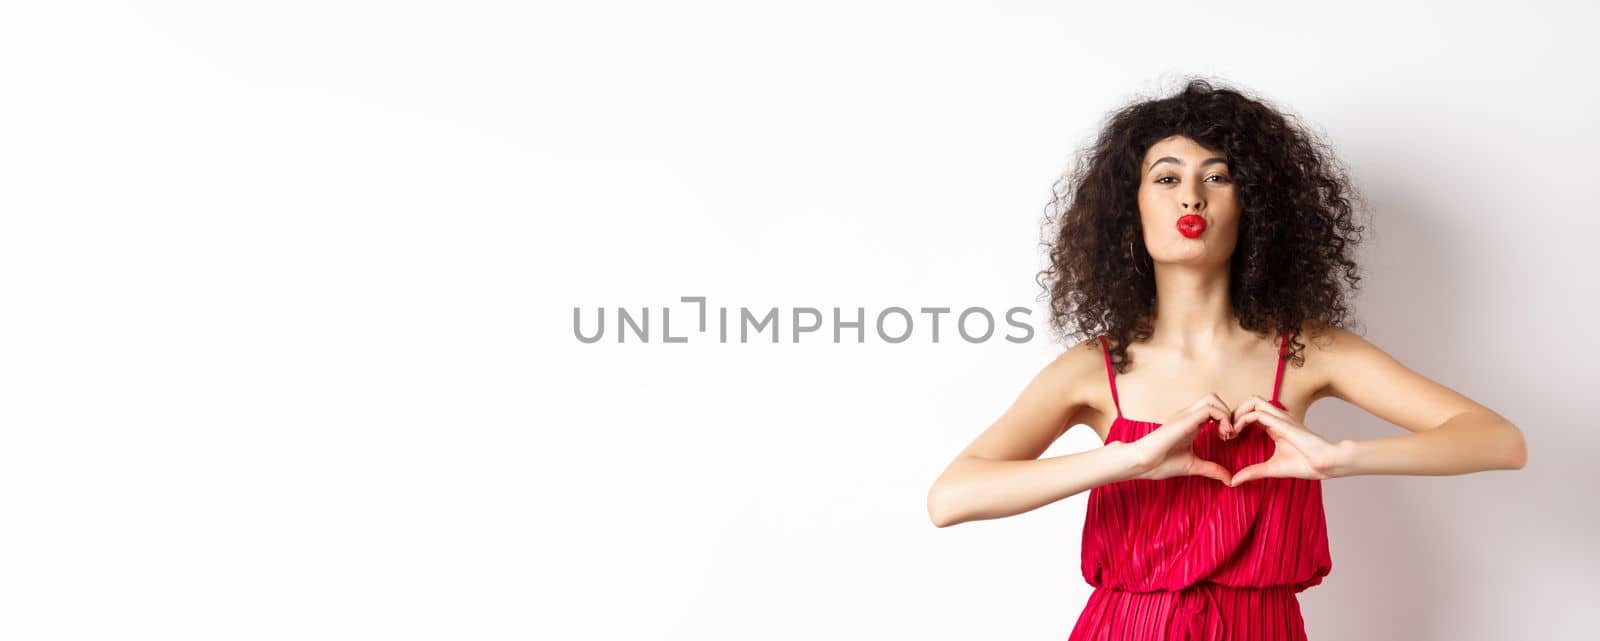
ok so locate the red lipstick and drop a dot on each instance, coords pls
(1191, 225)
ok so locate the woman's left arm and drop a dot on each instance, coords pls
(1450, 433)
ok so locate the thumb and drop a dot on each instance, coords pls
(1211, 469)
(1248, 473)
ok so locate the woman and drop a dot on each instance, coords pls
(1205, 244)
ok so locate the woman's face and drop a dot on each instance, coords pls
(1180, 177)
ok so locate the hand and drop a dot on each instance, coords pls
(1299, 452)
(1168, 451)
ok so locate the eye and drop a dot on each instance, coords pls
(1220, 178)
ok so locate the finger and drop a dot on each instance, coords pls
(1253, 416)
(1264, 469)
(1220, 403)
(1284, 430)
(1267, 406)
(1208, 399)
(1247, 405)
(1185, 424)
(1224, 424)
(1238, 412)
(1212, 400)
(1180, 431)
(1247, 473)
(1192, 421)
(1210, 469)
(1251, 404)
(1259, 406)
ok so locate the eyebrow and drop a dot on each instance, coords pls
(1208, 161)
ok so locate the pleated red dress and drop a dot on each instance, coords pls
(1189, 558)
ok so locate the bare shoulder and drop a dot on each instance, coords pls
(1082, 357)
(1324, 347)
(1356, 370)
(1336, 356)
(1081, 369)
(1059, 396)
(1325, 343)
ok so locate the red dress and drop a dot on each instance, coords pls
(1189, 557)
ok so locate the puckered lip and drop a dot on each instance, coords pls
(1195, 228)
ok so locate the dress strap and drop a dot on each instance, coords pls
(1283, 347)
(1111, 376)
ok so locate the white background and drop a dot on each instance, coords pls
(288, 288)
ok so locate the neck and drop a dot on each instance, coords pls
(1193, 313)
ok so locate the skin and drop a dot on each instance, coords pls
(1200, 365)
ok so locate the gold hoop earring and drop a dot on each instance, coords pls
(1133, 257)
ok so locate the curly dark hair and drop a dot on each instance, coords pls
(1297, 232)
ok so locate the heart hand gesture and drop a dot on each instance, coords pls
(1299, 452)
(1168, 450)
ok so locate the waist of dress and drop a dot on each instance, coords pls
(1290, 589)
(1206, 610)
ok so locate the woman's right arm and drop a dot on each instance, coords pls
(1000, 473)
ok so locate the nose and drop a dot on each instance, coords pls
(1192, 200)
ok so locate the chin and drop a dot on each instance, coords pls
(1192, 253)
